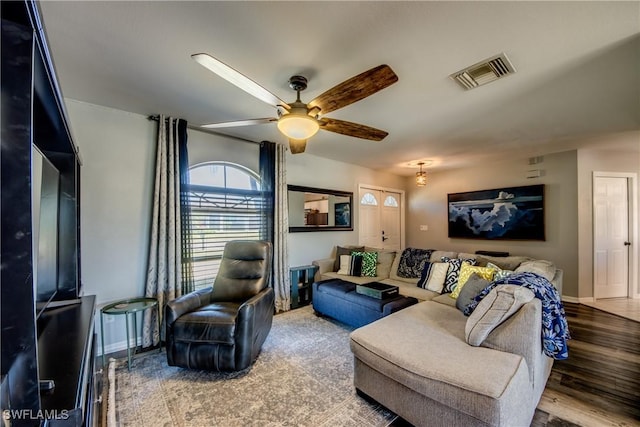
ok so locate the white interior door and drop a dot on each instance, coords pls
(380, 218)
(611, 237)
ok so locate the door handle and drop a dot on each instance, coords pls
(627, 243)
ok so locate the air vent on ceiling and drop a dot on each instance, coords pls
(484, 72)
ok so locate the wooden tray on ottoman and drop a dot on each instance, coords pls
(377, 290)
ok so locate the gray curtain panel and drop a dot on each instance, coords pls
(164, 269)
(281, 278)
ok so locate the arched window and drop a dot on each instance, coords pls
(369, 199)
(226, 204)
(391, 202)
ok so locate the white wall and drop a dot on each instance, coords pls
(206, 147)
(116, 183)
(601, 160)
(118, 157)
(428, 206)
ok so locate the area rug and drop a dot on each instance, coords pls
(303, 377)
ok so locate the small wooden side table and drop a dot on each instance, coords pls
(301, 280)
(127, 307)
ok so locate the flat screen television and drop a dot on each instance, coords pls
(45, 184)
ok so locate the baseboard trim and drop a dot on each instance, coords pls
(119, 346)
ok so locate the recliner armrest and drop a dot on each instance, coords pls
(186, 303)
(262, 301)
(253, 325)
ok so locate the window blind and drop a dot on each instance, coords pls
(219, 215)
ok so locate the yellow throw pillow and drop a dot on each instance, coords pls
(466, 271)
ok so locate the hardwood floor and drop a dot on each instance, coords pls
(599, 385)
(600, 382)
(625, 307)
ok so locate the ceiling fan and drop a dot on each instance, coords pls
(299, 121)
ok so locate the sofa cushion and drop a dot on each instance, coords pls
(433, 276)
(504, 262)
(437, 256)
(369, 262)
(495, 308)
(454, 272)
(411, 290)
(385, 260)
(466, 271)
(473, 287)
(340, 250)
(412, 262)
(540, 267)
(445, 299)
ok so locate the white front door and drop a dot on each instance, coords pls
(391, 221)
(611, 236)
(370, 220)
(380, 218)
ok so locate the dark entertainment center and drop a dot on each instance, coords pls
(47, 341)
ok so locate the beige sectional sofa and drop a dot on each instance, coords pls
(388, 261)
(420, 364)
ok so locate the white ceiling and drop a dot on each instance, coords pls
(578, 69)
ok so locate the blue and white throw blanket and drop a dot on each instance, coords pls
(555, 331)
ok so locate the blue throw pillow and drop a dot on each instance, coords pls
(412, 262)
(453, 273)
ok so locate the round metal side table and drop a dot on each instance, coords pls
(127, 307)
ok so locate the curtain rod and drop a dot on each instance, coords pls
(211, 132)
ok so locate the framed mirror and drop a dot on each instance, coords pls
(319, 209)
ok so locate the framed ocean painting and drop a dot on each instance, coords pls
(514, 213)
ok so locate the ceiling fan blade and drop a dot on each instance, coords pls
(355, 89)
(238, 79)
(249, 122)
(352, 129)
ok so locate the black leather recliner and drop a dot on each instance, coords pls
(223, 328)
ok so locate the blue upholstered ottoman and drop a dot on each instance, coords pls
(339, 300)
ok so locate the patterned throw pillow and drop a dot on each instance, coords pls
(344, 251)
(453, 272)
(412, 262)
(466, 271)
(355, 268)
(369, 263)
(350, 265)
(500, 273)
(433, 276)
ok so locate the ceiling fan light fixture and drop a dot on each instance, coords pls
(297, 146)
(421, 176)
(298, 126)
